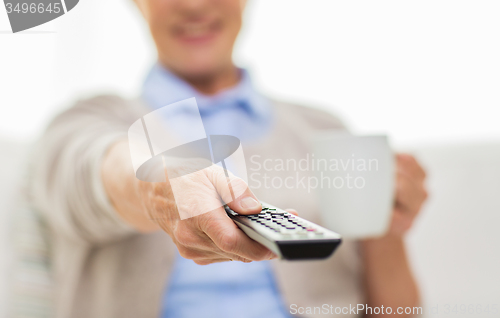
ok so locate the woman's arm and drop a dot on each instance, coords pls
(65, 180)
(388, 278)
(122, 187)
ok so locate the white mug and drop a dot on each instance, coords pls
(356, 191)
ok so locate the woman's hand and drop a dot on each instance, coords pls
(410, 194)
(206, 238)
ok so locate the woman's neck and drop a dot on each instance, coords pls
(214, 82)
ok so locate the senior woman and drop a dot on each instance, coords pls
(119, 248)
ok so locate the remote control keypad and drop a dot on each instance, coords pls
(284, 223)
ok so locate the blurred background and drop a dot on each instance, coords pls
(425, 72)
(421, 71)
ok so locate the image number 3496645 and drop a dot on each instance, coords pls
(26, 14)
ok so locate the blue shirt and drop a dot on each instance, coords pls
(230, 289)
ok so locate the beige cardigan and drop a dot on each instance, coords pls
(103, 268)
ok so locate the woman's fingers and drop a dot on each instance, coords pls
(294, 212)
(231, 240)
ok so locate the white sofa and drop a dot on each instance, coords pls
(12, 168)
(454, 246)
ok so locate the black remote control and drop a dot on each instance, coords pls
(288, 236)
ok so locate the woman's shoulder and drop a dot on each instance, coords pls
(105, 106)
(105, 102)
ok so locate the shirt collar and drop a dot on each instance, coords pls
(163, 87)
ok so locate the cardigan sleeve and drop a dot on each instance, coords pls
(65, 175)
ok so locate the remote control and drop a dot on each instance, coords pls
(288, 236)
